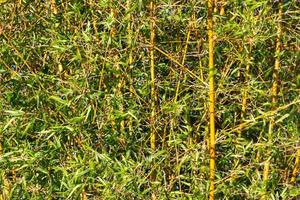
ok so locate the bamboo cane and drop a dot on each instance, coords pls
(246, 88)
(53, 7)
(222, 9)
(153, 93)
(211, 101)
(152, 74)
(296, 167)
(130, 57)
(274, 91)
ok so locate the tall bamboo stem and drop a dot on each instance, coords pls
(53, 7)
(130, 57)
(274, 89)
(153, 94)
(211, 101)
(152, 74)
(215, 5)
(246, 88)
(296, 167)
(222, 9)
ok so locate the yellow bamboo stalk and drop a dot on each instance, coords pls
(296, 167)
(53, 7)
(130, 57)
(119, 93)
(152, 74)
(212, 152)
(215, 5)
(129, 36)
(152, 83)
(6, 189)
(153, 93)
(94, 19)
(245, 91)
(112, 33)
(274, 89)
(83, 196)
(222, 9)
(113, 30)
(277, 55)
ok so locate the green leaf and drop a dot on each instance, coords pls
(15, 113)
(59, 100)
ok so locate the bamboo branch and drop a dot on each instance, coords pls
(171, 58)
(251, 122)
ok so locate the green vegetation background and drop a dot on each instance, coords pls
(67, 85)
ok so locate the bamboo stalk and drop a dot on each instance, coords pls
(246, 88)
(153, 93)
(222, 9)
(215, 5)
(53, 7)
(277, 55)
(6, 189)
(130, 57)
(296, 167)
(274, 91)
(152, 74)
(119, 93)
(211, 101)
(94, 19)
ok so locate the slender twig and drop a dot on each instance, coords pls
(249, 123)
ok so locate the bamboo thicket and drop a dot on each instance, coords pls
(143, 99)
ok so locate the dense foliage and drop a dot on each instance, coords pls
(78, 103)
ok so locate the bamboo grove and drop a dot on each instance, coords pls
(157, 99)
